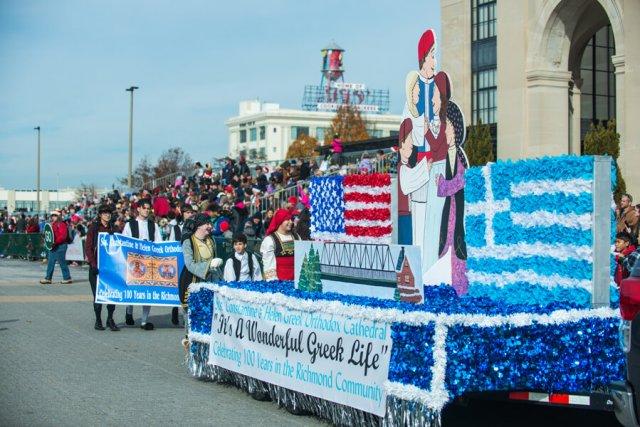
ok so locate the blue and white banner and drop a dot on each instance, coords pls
(138, 272)
(333, 357)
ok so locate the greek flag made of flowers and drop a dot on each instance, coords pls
(353, 208)
(529, 230)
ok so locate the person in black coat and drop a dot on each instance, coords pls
(303, 228)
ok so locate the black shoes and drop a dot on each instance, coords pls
(112, 325)
(147, 326)
(98, 326)
(128, 319)
(174, 316)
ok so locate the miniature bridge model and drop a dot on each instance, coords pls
(367, 264)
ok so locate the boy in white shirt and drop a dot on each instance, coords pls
(242, 265)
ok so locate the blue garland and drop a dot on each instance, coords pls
(535, 294)
(568, 357)
(572, 357)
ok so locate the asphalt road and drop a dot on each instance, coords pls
(56, 370)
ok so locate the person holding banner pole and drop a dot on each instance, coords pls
(176, 235)
(102, 224)
(142, 228)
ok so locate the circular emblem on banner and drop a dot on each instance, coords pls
(48, 236)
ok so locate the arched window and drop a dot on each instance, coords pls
(598, 90)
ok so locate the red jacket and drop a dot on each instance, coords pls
(60, 233)
(621, 272)
(33, 228)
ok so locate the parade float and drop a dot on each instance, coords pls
(424, 286)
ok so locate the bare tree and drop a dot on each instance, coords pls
(171, 161)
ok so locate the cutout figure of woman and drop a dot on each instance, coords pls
(436, 137)
(451, 187)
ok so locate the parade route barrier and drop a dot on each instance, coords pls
(22, 245)
(364, 361)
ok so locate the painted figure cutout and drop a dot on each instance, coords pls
(438, 143)
(425, 138)
(451, 187)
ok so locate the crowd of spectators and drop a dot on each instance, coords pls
(238, 198)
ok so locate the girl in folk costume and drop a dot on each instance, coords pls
(451, 187)
(435, 135)
(278, 246)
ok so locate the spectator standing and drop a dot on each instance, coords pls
(336, 149)
(303, 227)
(142, 228)
(624, 247)
(626, 218)
(33, 226)
(228, 172)
(243, 168)
(58, 251)
(305, 170)
(21, 224)
(102, 224)
(239, 215)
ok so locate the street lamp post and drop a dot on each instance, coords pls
(38, 171)
(130, 176)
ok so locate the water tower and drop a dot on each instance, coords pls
(332, 70)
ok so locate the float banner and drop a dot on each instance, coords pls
(138, 272)
(341, 359)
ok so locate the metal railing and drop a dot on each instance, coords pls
(163, 181)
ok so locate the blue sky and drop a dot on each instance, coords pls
(66, 65)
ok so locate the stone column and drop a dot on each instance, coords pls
(547, 110)
(574, 93)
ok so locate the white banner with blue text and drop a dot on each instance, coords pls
(341, 359)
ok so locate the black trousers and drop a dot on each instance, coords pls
(97, 308)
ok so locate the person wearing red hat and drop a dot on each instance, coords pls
(278, 247)
(423, 86)
(58, 250)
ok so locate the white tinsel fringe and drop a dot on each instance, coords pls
(560, 252)
(366, 189)
(569, 187)
(343, 238)
(354, 206)
(506, 278)
(547, 219)
(412, 318)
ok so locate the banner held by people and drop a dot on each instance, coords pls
(138, 272)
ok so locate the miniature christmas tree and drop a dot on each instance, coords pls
(303, 280)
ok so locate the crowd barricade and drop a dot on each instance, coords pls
(22, 245)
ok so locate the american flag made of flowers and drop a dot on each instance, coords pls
(352, 208)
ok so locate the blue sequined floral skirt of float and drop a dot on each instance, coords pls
(441, 350)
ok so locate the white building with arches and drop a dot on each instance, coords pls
(540, 71)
